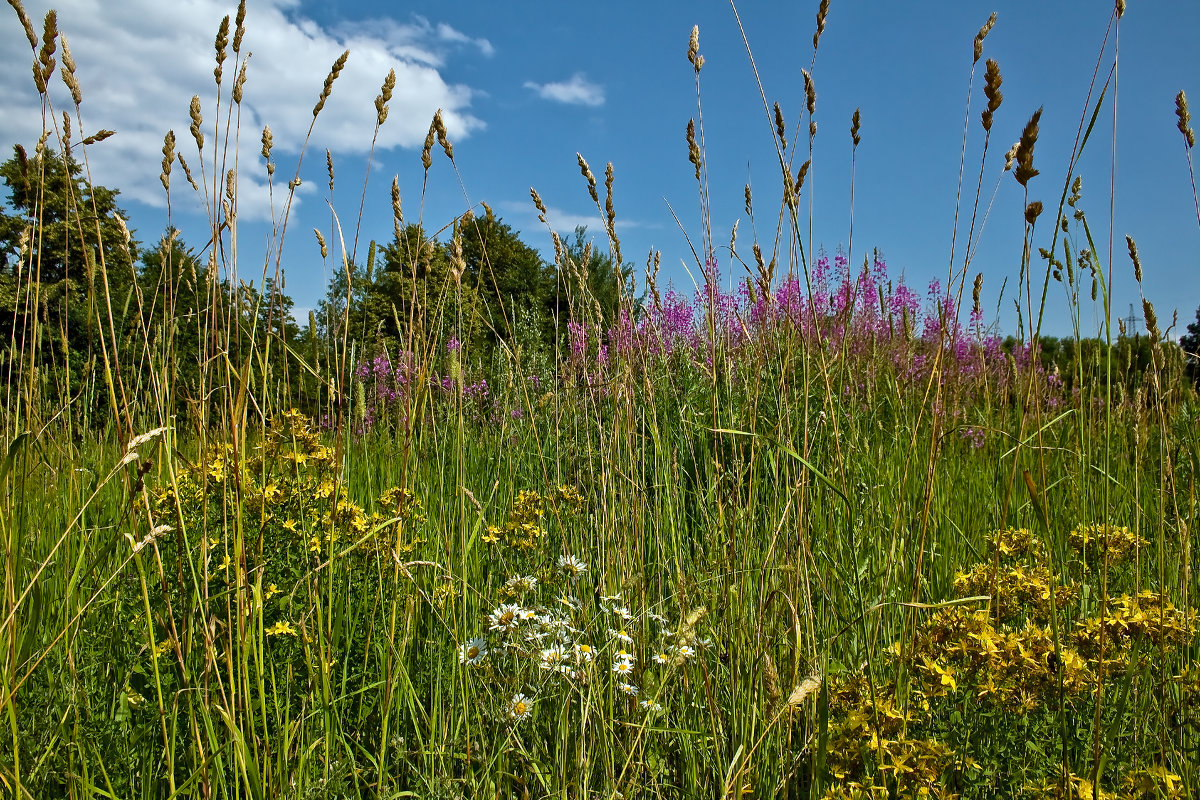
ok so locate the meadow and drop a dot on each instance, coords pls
(823, 536)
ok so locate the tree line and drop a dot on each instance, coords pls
(88, 312)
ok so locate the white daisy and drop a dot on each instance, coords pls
(571, 566)
(505, 618)
(650, 705)
(625, 655)
(686, 650)
(472, 652)
(519, 707)
(551, 657)
(585, 653)
(629, 689)
(662, 658)
(622, 667)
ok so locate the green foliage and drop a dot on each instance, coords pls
(66, 275)
(1190, 344)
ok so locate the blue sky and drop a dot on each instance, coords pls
(525, 90)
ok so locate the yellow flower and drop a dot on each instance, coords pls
(290, 525)
(282, 627)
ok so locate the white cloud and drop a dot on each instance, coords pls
(577, 91)
(140, 62)
(448, 34)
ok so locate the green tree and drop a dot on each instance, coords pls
(67, 276)
(1190, 342)
(511, 278)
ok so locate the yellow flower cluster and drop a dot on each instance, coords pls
(1017, 670)
(1150, 783)
(1017, 543)
(1016, 591)
(1094, 542)
(524, 527)
(1148, 618)
(1003, 657)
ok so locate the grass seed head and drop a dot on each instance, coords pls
(693, 148)
(68, 73)
(810, 92)
(25, 23)
(49, 34)
(239, 85)
(609, 210)
(1033, 211)
(855, 125)
(1133, 256)
(385, 97)
(397, 209)
(327, 89)
(187, 171)
(321, 242)
(991, 90)
(427, 148)
(268, 141)
(197, 121)
(1024, 154)
(443, 139)
(537, 202)
(168, 151)
(586, 171)
(822, 15)
(694, 57)
(239, 25)
(780, 126)
(979, 37)
(1181, 112)
(220, 45)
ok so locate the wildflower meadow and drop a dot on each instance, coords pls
(484, 526)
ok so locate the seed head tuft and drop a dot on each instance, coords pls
(1133, 256)
(979, 37)
(1181, 111)
(1024, 154)
(991, 90)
